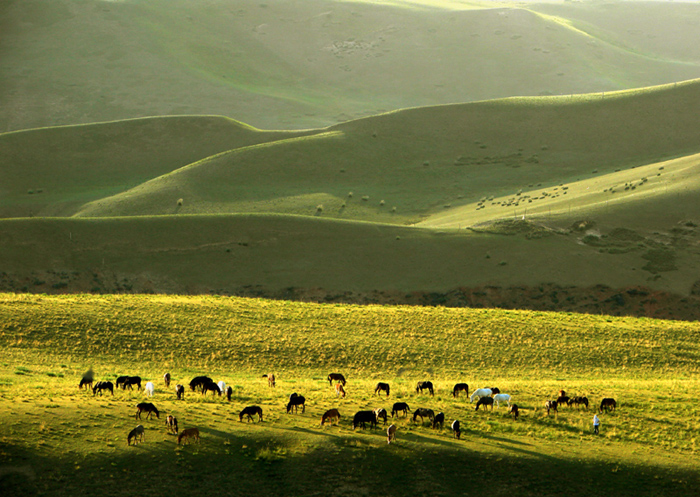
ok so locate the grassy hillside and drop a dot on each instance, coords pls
(58, 440)
(274, 254)
(314, 63)
(52, 171)
(409, 164)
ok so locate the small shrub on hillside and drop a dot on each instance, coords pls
(180, 202)
(319, 208)
(365, 198)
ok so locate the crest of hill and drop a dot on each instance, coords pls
(282, 65)
(419, 160)
(48, 171)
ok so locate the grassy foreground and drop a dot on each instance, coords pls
(58, 440)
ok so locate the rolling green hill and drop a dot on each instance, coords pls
(285, 65)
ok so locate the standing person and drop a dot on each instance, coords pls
(596, 424)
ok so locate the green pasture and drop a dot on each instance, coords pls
(58, 440)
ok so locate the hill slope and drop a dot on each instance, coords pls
(314, 63)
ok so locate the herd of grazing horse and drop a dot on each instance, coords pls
(486, 397)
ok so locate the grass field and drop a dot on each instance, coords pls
(57, 440)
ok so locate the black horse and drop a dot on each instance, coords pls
(460, 387)
(400, 407)
(211, 387)
(608, 403)
(229, 392)
(85, 382)
(515, 411)
(198, 381)
(382, 387)
(577, 401)
(456, 429)
(250, 411)
(439, 419)
(295, 401)
(180, 392)
(425, 385)
(103, 385)
(484, 401)
(362, 417)
(148, 408)
(129, 381)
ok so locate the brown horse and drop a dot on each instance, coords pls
(131, 381)
(382, 387)
(425, 385)
(422, 412)
(166, 379)
(339, 390)
(577, 401)
(270, 379)
(250, 411)
(608, 403)
(148, 408)
(85, 382)
(460, 387)
(211, 387)
(514, 410)
(188, 434)
(137, 435)
(330, 415)
(336, 377)
(171, 423)
(363, 417)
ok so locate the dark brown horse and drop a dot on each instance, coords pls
(577, 401)
(130, 381)
(484, 401)
(563, 400)
(85, 382)
(336, 377)
(425, 385)
(608, 403)
(198, 381)
(103, 385)
(148, 408)
(422, 412)
(137, 435)
(187, 434)
(514, 410)
(439, 419)
(362, 417)
(166, 379)
(382, 387)
(211, 387)
(460, 387)
(330, 415)
(229, 393)
(250, 411)
(295, 401)
(400, 407)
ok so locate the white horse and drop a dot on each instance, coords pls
(480, 392)
(222, 386)
(149, 388)
(501, 397)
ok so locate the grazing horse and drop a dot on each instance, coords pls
(423, 412)
(131, 381)
(330, 415)
(439, 419)
(425, 385)
(270, 379)
(180, 392)
(456, 429)
(501, 397)
(211, 387)
(381, 413)
(553, 405)
(149, 388)
(120, 381)
(362, 417)
(382, 387)
(460, 387)
(250, 411)
(222, 386)
(339, 390)
(187, 434)
(484, 401)
(103, 385)
(608, 403)
(513, 409)
(577, 401)
(479, 393)
(137, 435)
(148, 408)
(400, 407)
(85, 382)
(391, 434)
(171, 423)
(295, 401)
(199, 381)
(229, 392)
(336, 377)
(166, 379)
(494, 390)
(563, 400)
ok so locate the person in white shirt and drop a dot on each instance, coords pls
(596, 423)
